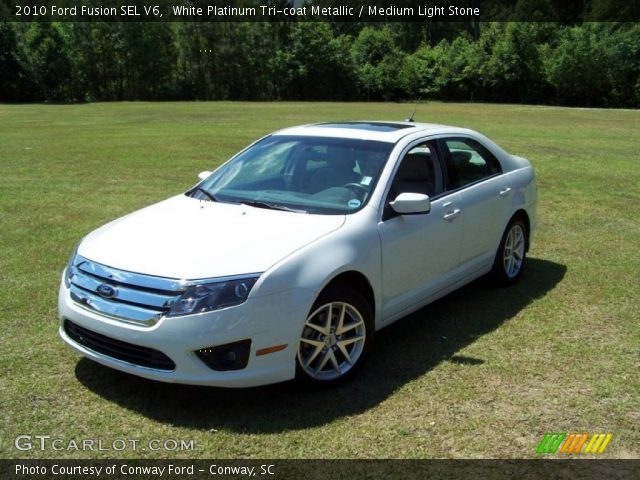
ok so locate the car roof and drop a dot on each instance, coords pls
(382, 131)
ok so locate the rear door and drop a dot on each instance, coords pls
(475, 173)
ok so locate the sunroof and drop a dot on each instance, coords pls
(371, 126)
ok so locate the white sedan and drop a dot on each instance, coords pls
(287, 259)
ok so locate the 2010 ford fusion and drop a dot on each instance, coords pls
(287, 259)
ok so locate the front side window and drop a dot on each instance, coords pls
(467, 162)
(419, 172)
(307, 174)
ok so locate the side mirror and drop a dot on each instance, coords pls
(411, 203)
(203, 175)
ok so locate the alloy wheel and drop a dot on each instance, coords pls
(513, 254)
(332, 341)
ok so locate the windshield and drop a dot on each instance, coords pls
(299, 173)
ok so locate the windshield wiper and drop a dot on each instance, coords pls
(270, 206)
(211, 196)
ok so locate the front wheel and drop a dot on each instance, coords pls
(511, 254)
(336, 336)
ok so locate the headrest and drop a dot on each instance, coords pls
(415, 167)
(340, 158)
(460, 157)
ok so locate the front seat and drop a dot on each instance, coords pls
(415, 175)
(338, 172)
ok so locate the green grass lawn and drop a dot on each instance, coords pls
(484, 372)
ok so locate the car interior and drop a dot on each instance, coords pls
(468, 163)
(417, 174)
(339, 169)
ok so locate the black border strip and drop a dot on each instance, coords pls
(424, 11)
(327, 469)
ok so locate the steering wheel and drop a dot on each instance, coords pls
(357, 187)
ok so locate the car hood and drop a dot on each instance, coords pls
(187, 238)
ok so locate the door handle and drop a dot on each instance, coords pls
(451, 214)
(504, 191)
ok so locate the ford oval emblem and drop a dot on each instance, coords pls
(107, 291)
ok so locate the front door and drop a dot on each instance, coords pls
(419, 252)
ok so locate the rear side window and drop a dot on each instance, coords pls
(468, 161)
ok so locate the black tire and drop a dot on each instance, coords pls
(503, 272)
(355, 305)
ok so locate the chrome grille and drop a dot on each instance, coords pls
(139, 299)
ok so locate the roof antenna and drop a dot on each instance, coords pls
(410, 119)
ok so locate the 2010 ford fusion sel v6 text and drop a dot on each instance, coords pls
(285, 260)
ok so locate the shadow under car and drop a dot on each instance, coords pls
(403, 352)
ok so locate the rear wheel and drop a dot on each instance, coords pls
(511, 254)
(336, 336)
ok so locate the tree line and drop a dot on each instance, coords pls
(587, 64)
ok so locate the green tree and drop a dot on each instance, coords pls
(15, 81)
(622, 47)
(595, 64)
(51, 67)
(422, 73)
(312, 64)
(148, 57)
(511, 68)
(99, 52)
(379, 63)
(461, 73)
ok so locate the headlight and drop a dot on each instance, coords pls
(68, 272)
(206, 297)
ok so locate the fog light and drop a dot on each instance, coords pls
(230, 356)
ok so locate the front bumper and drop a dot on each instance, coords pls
(269, 320)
